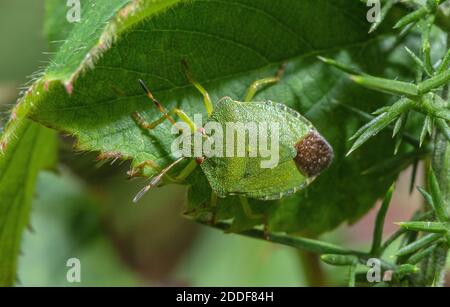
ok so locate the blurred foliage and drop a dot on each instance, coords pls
(23, 42)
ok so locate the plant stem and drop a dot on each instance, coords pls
(379, 224)
(304, 244)
(309, 245)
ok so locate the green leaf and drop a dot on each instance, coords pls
(444, 128)
(431, 227)
(419, 256)
(387, 86)
(419, 244)
(418, 61)
(406, 269)
(428, 198)
(412, 17)
(339, 260)
(90, 89)
(26, 149)
(434, 105)
(435, 82)
(381, 122)
(445, 63)
(348, 69)
(440, 206)
(379, 223)
(426, 129)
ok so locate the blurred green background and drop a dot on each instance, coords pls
(84, 210)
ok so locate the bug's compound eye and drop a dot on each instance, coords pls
(314, 154)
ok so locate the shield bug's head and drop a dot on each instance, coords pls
(314, 154)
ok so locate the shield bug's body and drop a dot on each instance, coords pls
(302, 153)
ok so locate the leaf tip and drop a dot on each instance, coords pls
(356, 78)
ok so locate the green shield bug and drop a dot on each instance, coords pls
(302, 153)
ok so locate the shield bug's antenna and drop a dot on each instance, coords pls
(156, 102)
(156, 180)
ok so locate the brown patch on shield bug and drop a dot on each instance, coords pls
(314, 154)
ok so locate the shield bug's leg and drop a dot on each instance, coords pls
(258, 84)
(137, 170)
(166, 115)
(157, 179)
(206, 98)
(185, 172)
(248, 210)
(157, 104)
(146, 125)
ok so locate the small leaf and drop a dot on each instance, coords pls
(426, 46)
(413, 177)
(381, 122)
(412, 17)
(416, 258)
(443, 127)
(440, 207)
(339, 65)
(418, 61)
(445, 65)
(419, 244)
(406, 136)
(399, 124)
(431, 227)
(387, 86)
(381, 110)
(395, 163)
(406, 269)
(433, 105)
(339, 260)
(399, 130)
(428, 198)
(364, 128)
(435, 82)
(427, 127)
(379, 222)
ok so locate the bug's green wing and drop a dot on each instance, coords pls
(244, 175)
(270, 184)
